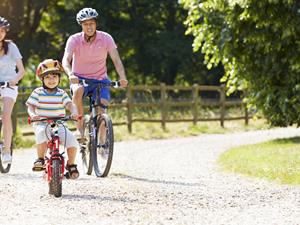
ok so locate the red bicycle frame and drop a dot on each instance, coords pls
(53, 146)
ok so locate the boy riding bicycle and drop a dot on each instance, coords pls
(51, 101)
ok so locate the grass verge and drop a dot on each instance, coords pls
(277, 160)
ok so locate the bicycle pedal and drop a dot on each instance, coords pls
(67, 175)
(38, 169)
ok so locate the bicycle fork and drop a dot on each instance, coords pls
(53, 145)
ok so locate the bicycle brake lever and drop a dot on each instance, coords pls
(116, 84)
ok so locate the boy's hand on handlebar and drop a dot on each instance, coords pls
(123, 83)
(35, 117)
(75, 116)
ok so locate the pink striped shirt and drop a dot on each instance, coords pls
(89, 59)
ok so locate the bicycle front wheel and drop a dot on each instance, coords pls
(55, 184)
(104, 146)
(4, 167)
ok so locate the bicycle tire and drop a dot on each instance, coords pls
(102, 157)
(4, 168)
(86, 150)
(55, 184)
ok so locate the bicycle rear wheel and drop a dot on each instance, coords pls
(103, 152)
(4, 167)
(55, 184)
(85, 148)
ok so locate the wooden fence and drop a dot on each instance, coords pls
(195, 102)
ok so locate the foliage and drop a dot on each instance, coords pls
(149, 34)
(258, 44)
(275, 160)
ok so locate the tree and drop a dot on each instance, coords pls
(257, 41)
(149, 34)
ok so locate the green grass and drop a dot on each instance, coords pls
(183, 129)
(277, 160)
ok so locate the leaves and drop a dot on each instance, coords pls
(257, 42)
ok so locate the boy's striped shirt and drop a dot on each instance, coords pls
(49, 104)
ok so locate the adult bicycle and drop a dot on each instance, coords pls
(97, 147)
(54, 159)
(4, 167)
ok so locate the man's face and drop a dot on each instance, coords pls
(89, 27)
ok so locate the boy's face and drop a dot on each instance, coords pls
(51, 80)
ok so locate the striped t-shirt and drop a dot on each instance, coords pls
(49, 104)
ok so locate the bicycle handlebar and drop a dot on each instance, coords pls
(5, 84)
(114, 84)
(52, 119)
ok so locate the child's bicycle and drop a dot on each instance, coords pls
(93, 152)
(4, 167)
(54, 160)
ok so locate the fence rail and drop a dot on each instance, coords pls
(195, 102)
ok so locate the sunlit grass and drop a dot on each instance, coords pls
(277, 160)
(183, 129)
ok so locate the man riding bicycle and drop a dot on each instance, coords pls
(85, 58)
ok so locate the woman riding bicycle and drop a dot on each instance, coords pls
(51, 101)
(88, 51)
(10, 58)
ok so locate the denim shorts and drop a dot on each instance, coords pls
(91, 89)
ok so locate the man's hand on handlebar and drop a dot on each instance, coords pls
(123, 83)
(73, 79)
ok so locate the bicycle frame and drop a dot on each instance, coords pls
(94, 106)
(53, 150)
(95, 147)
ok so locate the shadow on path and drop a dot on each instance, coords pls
(156, 181)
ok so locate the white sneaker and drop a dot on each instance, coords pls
(6, 158)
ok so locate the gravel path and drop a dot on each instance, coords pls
(174, 181)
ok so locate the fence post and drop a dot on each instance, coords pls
(246, 114)
(195, 103)
(163, 105)
(222, 103)
(129, 108)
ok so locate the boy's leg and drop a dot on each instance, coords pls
(71, 166)
(69, 139)
(41, 150)
(38, 164)
(41, 142)
(71, 155)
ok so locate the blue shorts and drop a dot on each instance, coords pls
(91, 89)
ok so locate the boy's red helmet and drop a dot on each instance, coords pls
(49, 66)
